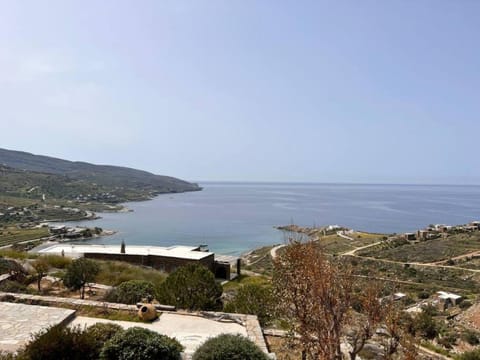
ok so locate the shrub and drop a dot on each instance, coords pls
(465, 304)
(448, 341)
(131, 292)
(100, 333)
(141, 344)
(229, 347)
(191, 287)
(60, 343)
(253, 299)
(470, 337)
(423, 295)
(471, 355)
(426, 325)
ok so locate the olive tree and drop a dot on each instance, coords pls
(191, 287)
(79, 273)
(41, 267)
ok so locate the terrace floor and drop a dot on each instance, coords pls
(18, 322)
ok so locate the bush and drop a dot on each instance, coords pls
(471, 355)
(141, 344)
(465, 304)
(448, 341)
(423, 295)
(60, 343)
(253, 299)
(100, 333)
(131, 292)
(426, 325)
(229, 347)
(470, 337)
(191, 287)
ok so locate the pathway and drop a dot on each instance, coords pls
(273, 251)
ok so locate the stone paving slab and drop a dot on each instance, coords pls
(18, 322)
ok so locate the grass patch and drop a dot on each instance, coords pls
(113, 273)
(109, 314)
(244, 280)
(57, 261)
(19, 255)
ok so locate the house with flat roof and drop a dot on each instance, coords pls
(446, 299)
(161, 258)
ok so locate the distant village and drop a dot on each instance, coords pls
(439, 230)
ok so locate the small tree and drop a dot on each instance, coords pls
(141, 344)
(122, 247)
(362, 325)
(253, 299)
(315, 296)
(79, 273)
(191, 287)
(41, 267)
(228, 347)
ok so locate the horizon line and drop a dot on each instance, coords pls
(266, 182)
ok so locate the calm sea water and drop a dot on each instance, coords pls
(235, 217)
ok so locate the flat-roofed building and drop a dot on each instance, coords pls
(161, 258)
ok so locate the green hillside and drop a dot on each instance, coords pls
(31, 176)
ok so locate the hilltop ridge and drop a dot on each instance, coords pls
(27, 175)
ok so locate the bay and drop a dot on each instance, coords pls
(233, 218)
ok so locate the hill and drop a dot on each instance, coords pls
(28, 175)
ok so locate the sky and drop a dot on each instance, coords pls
(308, 91)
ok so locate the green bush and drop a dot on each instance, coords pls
(100, 333)
(60, 343)
(423, 295)
(131, 292)
(465, 304)
(141, 344)
(448, 341)
(191, 287)
(229, 347)
(426, 325)
(471, 355)
(471, 337)
(253, 299)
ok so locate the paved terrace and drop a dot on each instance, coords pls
(19, 321)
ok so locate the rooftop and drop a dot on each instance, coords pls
(184, 252)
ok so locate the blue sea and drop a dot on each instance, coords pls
(233, 218)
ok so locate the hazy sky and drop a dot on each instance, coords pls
(349, 91)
